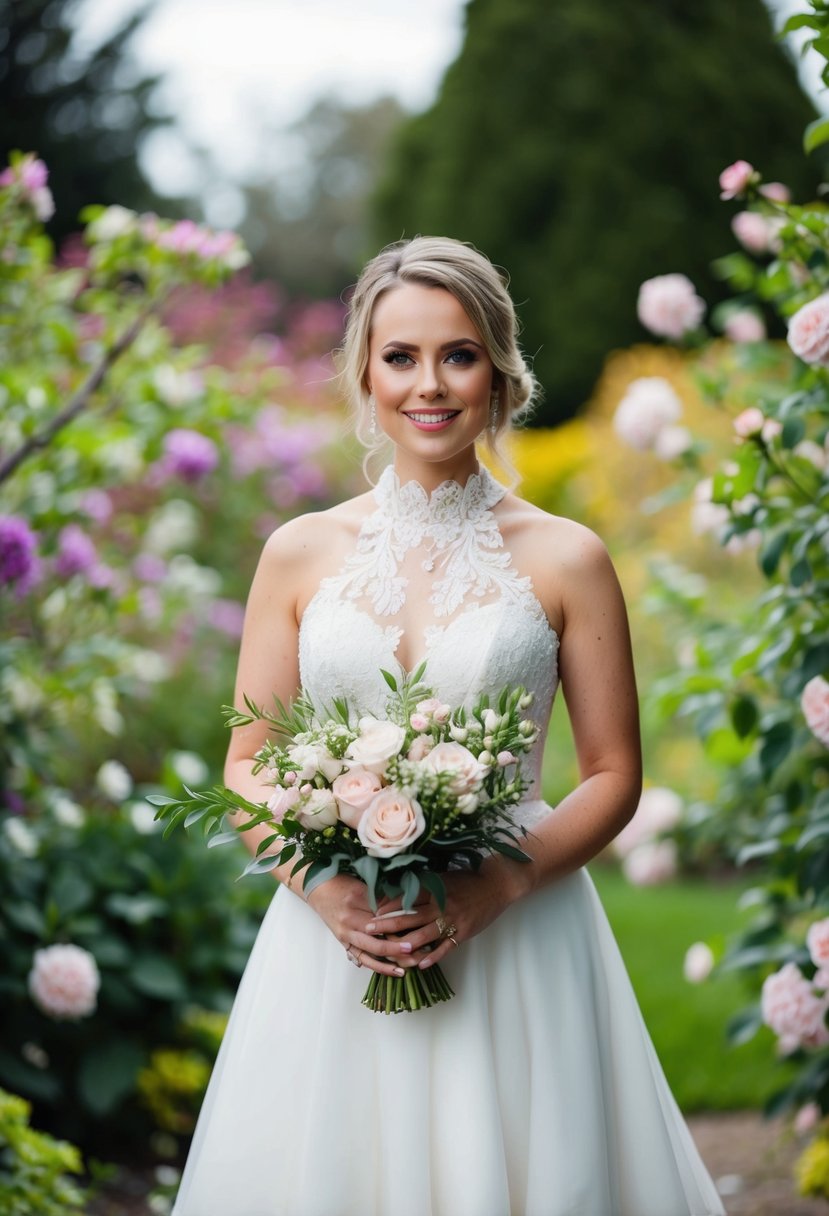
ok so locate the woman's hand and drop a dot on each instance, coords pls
(473, 901)
(342, 903)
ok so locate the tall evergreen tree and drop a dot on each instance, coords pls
(578, 143)
(85, 117)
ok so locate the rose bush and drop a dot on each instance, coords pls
(755, 683)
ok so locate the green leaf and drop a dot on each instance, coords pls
(798, 22)
(402, 860)
(222, 838)
(776, 747)
(815, 662)
(773, 551)
(107, 1074)
(801, 573)
(411, 889)
(318, 872)
(157, 976)
(136, 909)
(743, 1025)
(744, 715)
(816, 133)
(389, 678)
(163, 800)
(368, 868)
(71, 892)
(760, 848)
(794, 428)
(509, 850)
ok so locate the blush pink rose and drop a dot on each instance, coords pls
(749, 422)
(421, 746)
(807, 1118)
(808, 334)
(753, 231)
(648, 406)
(354, 790)
(390, 823)
(377, 742)
(707, 516)
(817, 940)
(735, 179)
(814, 701)
(745, 326)
(64, 982)
(283, 800)
(466, 771)
(777, 192)
(669, 306)
(791, 1009)
(435, 710)
(651, 863)
(672, 441)
(698, 963)
(419, 722)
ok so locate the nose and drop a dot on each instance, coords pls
(431, 383)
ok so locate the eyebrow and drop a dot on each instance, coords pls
(445, 346)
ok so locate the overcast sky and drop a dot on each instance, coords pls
(235, 68)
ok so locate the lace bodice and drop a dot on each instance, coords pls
(431, 570)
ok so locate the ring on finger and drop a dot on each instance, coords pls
(352, 958)
(452, 939)
(442, 924)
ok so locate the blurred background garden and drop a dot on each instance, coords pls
(186, 194)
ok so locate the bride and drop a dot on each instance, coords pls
(535, 1091)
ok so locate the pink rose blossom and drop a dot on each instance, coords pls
(282, 800)
(745, 326)
(735, 179)
(707, 516)
(807, 449)
(821, 979)
(649, 405)
(771, 430)
(698, 963)
(749, 422)
(817, 940)
(777, 192)
(814, 701)
(753, 231)
(421, 746)
(434, 709)
(669, 306)
(808, 334)
(466, 771)
(791, 1009)
(354, 791)
(651, 863)
(807, 1118)
(419, 722)
(64, 982)
(659, 810)
(390, 823)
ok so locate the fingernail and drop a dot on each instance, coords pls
(406, 947)
(424, 963)
(399, 971)
(370, 928)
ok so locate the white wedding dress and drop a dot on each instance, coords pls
(535, 1091)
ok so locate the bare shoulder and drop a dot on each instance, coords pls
(566, 561)
(304, 550)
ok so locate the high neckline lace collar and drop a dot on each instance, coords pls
(447, 503)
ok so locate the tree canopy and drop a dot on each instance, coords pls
(579, 145)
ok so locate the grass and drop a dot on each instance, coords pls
(654, 927)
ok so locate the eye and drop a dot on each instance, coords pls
(462, 356)
(396, 358)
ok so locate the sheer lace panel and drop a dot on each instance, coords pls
(429, 578)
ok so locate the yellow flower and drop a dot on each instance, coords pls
(812, 1169)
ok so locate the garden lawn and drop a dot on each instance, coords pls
(654, 927)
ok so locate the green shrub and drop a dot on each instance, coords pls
(34, 1168)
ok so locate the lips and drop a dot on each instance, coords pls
(431, 419)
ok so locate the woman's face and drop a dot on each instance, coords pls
(429, 371)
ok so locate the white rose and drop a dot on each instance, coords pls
(313, 758)
(114, 222)
(491, 721)
(459, 733)
(354, 791)
(64, 982)
(318, 810)
(467, 773)
(467, 803)
(376, 744)
(390, 823)
(21, 837)
(282, 800)
(67, 812)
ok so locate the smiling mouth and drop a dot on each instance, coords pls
(433, 418)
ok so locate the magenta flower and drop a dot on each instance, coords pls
(188, 454)
(227, 616)
(31, 175)
(76, 552)
(19, 562)
(735, 180)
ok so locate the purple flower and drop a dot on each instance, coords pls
(189, 454)
(31, 175)
(76, 552)
(19, 562)
(97, 504)
(150, 568)
(227, 616)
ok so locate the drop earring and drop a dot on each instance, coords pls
(494, 413)
(372, 416)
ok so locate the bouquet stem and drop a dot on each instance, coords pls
(403, 994)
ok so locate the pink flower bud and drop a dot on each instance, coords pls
(807, 1118)
(752, 230)
(505, 758)
(745, 326)
(419, 722)
(290, 777)
(777, 192)
(749, 422)
(735, 179)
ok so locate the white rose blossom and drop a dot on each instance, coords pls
(376, 744)
(114, 781)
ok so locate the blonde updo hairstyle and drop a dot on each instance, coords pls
(433, 261)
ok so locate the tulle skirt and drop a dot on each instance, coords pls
(535, 1091)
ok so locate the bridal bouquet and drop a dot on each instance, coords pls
(395, 801)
